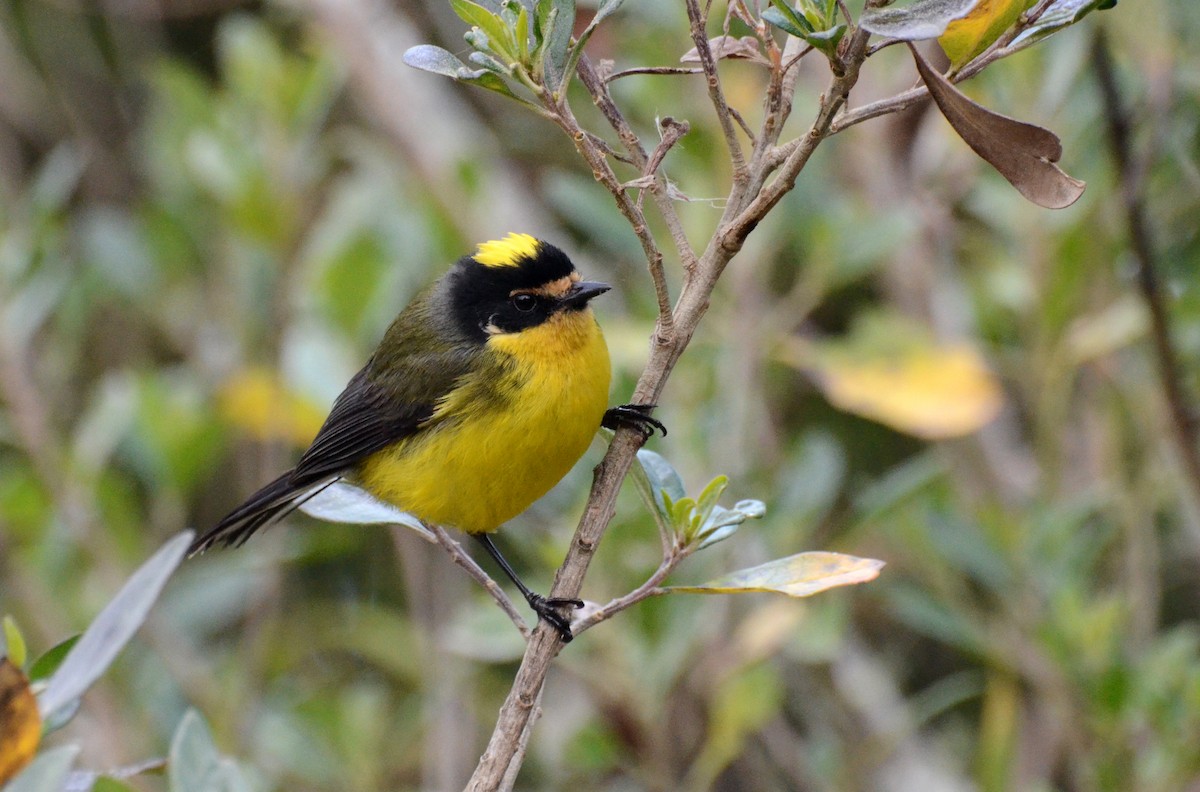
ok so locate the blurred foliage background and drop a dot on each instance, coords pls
(210, 210)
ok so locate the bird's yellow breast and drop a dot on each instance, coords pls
(505, 435)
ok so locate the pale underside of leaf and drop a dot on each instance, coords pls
(345, 503)
(112, 628)
(800, 575)
(1024, 154)
(923, 19)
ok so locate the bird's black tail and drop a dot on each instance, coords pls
(270, 504)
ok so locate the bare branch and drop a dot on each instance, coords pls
(460, 557)
(709, 64)
(651, 588)
(1131, 175)
(651, 70)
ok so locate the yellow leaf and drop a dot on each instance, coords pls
(890, 371)
(20, 723)
(254, 400)
(967, 37)
(800, 575)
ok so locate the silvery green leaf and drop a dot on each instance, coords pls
(723, 523)
(916, 21)
(1059, 15)
(345, 503)
(107, 635)
(47, 772)
(663, 477)
(560, 22)
(427, 57)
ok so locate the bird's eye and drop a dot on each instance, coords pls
(524, 302)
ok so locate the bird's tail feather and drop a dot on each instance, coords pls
(270, 504)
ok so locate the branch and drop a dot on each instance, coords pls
(1186, 436)
(464, 560)
(616, 119)
(709, 64)
(603, 173)
(998, 50)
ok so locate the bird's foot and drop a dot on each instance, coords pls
(636, 417)
(547, 608)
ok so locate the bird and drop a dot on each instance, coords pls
(483, 393)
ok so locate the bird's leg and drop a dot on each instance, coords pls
(634, 416)
(545, 607)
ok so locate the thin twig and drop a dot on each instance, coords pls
(650, 588)
(716, 95)
(603, 101)
(998, 50)
(1186, 436)
(651, 70)
(460, 557)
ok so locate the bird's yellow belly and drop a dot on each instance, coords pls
(493, 448)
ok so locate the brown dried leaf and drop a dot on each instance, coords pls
(1023, 153)
(20, 723)
(745, 48)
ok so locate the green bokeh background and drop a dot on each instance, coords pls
(194, 192)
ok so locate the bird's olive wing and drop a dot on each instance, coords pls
(365, 418)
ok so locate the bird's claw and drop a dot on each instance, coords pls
(636, 417)
(547, 609)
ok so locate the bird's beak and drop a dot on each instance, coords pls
(581, 292)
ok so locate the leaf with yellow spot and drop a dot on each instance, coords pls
(967, 37)
(891, 371)
(800, 575)
(256, 401)
(20, 723)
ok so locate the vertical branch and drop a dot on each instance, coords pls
(603, 173)
(629, 139)
(1187, 438)
(741, 173)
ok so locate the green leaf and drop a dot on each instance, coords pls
(56, 179)
(664, 479)
(46, 773)
(780, 20)
(919, 20)
(436, 60)
(723, 523)
(560, 21)
(500, 38)
(792, 22)
(427, 57)
(45, 666)
(522, 34)
(681, 518)
(827, 40)
(344, 503)
(1059, 15)
(193, 756)
(800, 575)
(107, 635)
(710, 495)
(12, 643)
(108, 784)
(606, 9)
(193, 764)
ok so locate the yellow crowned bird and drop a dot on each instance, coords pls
(483, 393)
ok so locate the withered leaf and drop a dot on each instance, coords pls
(20, 723)
(745, 48)
(1023, 153)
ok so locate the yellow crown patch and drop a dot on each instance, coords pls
(506, 252)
